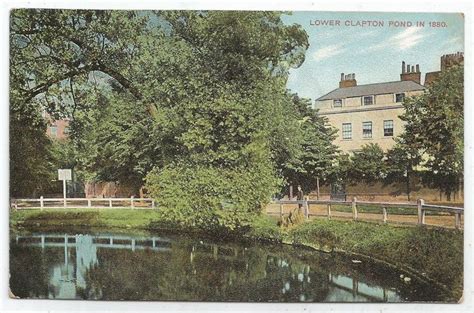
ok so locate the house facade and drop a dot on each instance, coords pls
(370, 113)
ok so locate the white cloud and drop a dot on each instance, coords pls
(327, 52)
(403, 40)
(408, 38)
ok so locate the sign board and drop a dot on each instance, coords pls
(64, 174)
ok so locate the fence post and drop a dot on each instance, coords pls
(41, 203)
(110, 202)
(354, 208)
(89, 203)
(384, 209)
(457, 215)
(131, 202)
(281, 211)
(421, 215)
(306, 208)
(152, 203)
(329, 210)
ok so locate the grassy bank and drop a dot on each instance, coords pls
(436, 254)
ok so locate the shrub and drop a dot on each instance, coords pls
(211, 198)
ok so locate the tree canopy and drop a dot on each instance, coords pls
(168, 94)
(435, 130)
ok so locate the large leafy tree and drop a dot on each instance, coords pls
(314, 160)
(367, 165)
(177, 92)
(434, 127)
(54, 54)
(401, 163)
(230, 130)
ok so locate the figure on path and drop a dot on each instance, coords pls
(300, 197)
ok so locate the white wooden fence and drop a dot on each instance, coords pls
(83, 203)
(147, 203)
(420, 206)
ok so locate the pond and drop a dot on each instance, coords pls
(114, 266)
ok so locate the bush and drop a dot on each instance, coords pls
(211, 198)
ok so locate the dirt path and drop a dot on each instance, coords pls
(320, 211)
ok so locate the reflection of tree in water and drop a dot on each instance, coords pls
(205, 272)
(31, 272)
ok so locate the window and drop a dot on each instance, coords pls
(346, 131)
(388, 128)
(368, 100)
(337, 103)
(367, 129)
(54, 131)
(399, 97)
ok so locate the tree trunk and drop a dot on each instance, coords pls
(408, 185)
(317, 188)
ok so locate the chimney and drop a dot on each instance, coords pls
(410, 73)
(347, 80)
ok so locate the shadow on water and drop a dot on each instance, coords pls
(130, 267)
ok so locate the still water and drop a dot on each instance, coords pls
(110, 266)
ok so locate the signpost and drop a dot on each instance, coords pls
(64, 175)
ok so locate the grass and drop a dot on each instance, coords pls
(117, 218)
(434, 253)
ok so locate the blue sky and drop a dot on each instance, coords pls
(374, 54)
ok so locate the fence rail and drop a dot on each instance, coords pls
(147, 203)
(82, 203)
(420, 206)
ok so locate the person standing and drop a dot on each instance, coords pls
(300, 197)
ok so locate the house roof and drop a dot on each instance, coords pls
(372, 89)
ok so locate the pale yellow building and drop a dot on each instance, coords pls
(369, 113)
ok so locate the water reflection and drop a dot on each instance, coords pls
(114, 267)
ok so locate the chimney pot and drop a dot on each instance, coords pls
(342, 77)
(403, 67)
(418, 68)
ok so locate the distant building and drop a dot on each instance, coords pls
(57, 129)
(447, 61)
(370, 113)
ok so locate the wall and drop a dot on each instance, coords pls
(393, 193)
(357, 118)
(353, 112)
(109, 189)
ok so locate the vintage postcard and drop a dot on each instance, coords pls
(236, 156)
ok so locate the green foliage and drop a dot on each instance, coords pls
(212, 198)
(177, 92)
(435, 252)
(264, 227)
(400, 165)
(367, 165)
(435, 127)
(32, 161)
(56, 58)
(315, 153)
